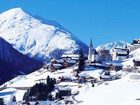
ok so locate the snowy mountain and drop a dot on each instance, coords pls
(40, 39)
(13, 63)
(115, 44)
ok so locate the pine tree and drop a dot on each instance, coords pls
(81, 65)
(1, 101)
(26, 96)
(48, 80)
(14, 99)
(40, 91)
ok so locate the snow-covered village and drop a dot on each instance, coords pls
(42, 63)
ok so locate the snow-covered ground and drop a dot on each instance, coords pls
(133, 55)
(124, 91)
(29, 80)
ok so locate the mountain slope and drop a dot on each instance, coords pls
(13, 63)
(36, 38)
(115, 44)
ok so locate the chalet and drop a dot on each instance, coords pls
(54, 67)
(64, 91)
(60, 64)
(112, 65)
(67, 62)
(104, 55)
(91, 79)
(136, 41)
(109, 75)
(71, 62)
(54, 61)
(99, 66)
(120, 53)
(108, 65)
(136, 62)
(66, 79)
(70, 56)
(82, 79)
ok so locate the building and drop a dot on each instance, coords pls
(60, 64)
(109, 75)
(67, 62)
(120, 53)
(62, 91)
(70, 56)
(92, 53)
(54, 67)
(136, 41)
(136, 62)
(113, 65)
(104, 55)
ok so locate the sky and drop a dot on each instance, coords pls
(102, 20)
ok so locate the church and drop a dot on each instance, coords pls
(93, 55)
(98, 56)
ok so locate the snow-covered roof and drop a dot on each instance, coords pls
(57, 65)
(67, 60)
(98, 64)
(122, 52)
(70, 55)
(71, 61)
(137, 59)
(60, 60)
(53, 60)
(64, 88)
(115, 63)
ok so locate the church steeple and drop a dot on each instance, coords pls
(90, 52)
(90, 44)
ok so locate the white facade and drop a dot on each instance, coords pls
(119, 54)
(95, 57)
(114, 54)
(90, 51)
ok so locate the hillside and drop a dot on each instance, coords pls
(13, 63)
(40, 39)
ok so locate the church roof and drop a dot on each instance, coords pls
(91, 45)
(95, 51)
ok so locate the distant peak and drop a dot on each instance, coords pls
(115, 44)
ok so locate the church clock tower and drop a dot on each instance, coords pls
(90, 52)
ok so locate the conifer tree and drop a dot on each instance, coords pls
(81, 65)
(1, 101)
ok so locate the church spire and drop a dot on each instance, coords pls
(90, 52)
(90, 44)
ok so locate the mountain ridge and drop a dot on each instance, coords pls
(32, 37)
(115, 44)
